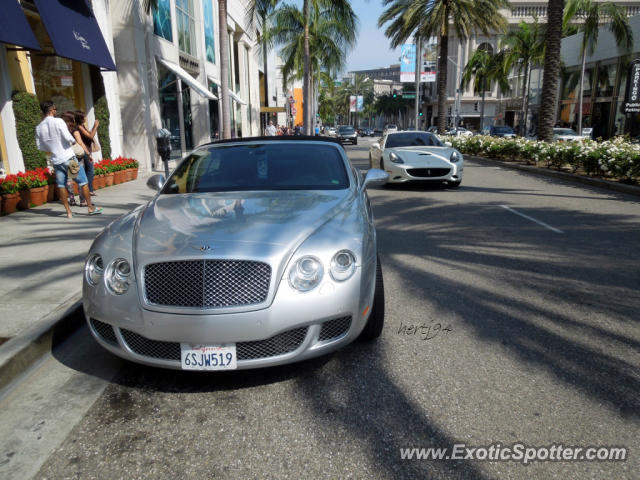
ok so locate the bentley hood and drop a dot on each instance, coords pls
(258, 225)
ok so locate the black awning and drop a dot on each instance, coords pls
(14, 27)
(74, 32)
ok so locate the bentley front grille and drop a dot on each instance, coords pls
(285, 342)
(207, 283)
(428, 172)
(334, 328)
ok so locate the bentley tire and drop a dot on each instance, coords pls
(373, 328)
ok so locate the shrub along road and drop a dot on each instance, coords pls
(534, 285)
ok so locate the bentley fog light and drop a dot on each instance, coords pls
(343, 265)
(117, 276)
(94, 269)
(305, 274)
(395, 158)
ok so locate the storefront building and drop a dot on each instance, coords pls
(156, 70)
(169, 74)
(56, 51)
(604, 87)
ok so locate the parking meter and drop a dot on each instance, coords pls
(163, 139)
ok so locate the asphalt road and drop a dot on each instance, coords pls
(530, 289)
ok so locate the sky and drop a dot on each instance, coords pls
(372, 49)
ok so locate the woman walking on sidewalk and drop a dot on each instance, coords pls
(89, 140)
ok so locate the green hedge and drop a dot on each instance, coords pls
(26, 110)
(614, 158)
(102, 114)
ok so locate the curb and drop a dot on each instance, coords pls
(569, 177)
(23, 350)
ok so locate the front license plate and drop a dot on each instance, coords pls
(208, 357)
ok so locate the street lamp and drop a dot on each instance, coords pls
(458, 75)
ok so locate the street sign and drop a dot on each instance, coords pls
(632, 97)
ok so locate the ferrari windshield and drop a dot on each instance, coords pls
(267, 166)
(412, 139)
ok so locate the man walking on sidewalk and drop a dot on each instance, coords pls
(52, 135)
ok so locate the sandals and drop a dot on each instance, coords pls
(96, 211)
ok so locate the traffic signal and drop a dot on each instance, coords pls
(395, 93)
(420, 114)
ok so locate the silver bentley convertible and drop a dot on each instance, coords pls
(417, 155)
(254, 252)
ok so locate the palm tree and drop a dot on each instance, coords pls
(435, 18)
(258, 12)
(328, 33)
(524, 48)
(361, 86)
(223, 35)
(552, 41)
(594, 14)
(485, 68)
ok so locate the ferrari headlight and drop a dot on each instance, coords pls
(117, 276)
(343, 265)
(93, 269)
(395, 158)
(455, 157)
(306, 273)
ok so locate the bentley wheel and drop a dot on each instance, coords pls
(373, 328)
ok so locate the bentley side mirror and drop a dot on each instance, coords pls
(156, 182)
(375, 178)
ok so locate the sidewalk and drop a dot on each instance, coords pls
(42, 256)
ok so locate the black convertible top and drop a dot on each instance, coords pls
(278, 138)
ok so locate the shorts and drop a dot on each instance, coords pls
(62, 172)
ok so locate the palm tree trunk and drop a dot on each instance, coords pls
(526, 103)
(307, 73)
(264, 65)
(482, 105)
(581, 90)
(224, 69)
(417, 79)
(553, 36)
(525, 99)
(442, 83)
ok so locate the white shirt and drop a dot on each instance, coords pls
(271, 131)
(52, 135)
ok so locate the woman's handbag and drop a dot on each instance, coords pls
(78, 151)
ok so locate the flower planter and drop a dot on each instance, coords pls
(51, 192)
(38, 196)
(25, 196)
(99, 180)
(128, 174)
(135, 174)
(108, 179)
(118, 177)
(10, 202)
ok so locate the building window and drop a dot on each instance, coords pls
(209, 31)
(162, 20)
(606, 80)
(186, 26)
(168, 95)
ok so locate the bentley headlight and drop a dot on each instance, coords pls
(455, 157)
(343, 265)
(306, 273)
(395, 158)
(94, 269)
(117, 276)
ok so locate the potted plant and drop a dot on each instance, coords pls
(98, 176)
(119, 167)
(9, 188)
(39, 186)
(134, 166)
(108, 172)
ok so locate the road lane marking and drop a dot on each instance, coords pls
(532, 219)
